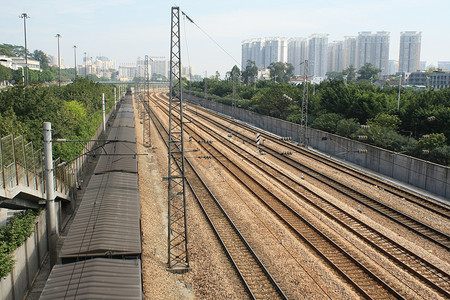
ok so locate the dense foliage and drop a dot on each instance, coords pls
(420, 128)
(74, 111)
(13, 235)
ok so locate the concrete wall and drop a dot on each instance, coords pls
(29, 258)
(416, 172)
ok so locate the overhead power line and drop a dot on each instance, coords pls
(215, 42)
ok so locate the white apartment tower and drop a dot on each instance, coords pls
(374, 49)
(335, 56)
(264, 51)
(317, 54)
(297, 53)
(350, 52)
(159, 65)
(409, 59)
(275, 50)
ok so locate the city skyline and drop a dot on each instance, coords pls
(125, 29)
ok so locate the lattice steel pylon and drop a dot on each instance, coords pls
(177, 229)
(304, 117)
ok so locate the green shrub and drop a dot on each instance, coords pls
(13, 235)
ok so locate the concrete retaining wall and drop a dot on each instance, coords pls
(416, 172)
(29, 258)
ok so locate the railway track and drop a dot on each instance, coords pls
(439, 238)
(365, 281)
(424, 202)
(424, 271)
(254, 275)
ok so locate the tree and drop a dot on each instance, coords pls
(6, 50)
(346, 127)
(432, 141)
(250, 72)
(386, 120)
(349, 73)
(12, 50)
(271, 102)
(334, 75)
(368, 71)
(235, 72)
(327, 122)
(42, 58)
(281, 72)
(5, 73)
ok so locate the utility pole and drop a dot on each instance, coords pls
(58, 36)
(146, 116)
(399, 86)
(75, 57)
(206, 85)
(304, 117)
(24, 16)
(103, 114)
(147, 87)
(233, 106)
(85, 64)
(52, 229)
(178, 260)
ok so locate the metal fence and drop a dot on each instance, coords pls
(21, 165)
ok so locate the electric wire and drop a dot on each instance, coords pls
(215, 42)
(187, 48)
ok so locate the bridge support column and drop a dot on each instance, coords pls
(52, 229)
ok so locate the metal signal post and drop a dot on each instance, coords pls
(177, 236)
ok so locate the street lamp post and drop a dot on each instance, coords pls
(75, 58)
(24, 16)
(58, 36)
(85, 64)
(399, 85)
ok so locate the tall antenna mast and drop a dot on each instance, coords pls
(177, 238)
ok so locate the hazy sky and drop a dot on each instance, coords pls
(125, 29)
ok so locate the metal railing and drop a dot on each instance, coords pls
(21, 165)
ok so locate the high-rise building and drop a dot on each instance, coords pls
(317, 54)
(409, 59)
(374, 49)
(423, 65)
(160, 66)
(366, 48)
(382, 51)
(297, 54)
(275, 50)
(264, 51)
(350, 52)
(444, 65)
(253, 50)
(393, 67)
(335, 56)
